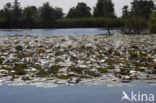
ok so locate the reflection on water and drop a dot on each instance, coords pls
(71, 31)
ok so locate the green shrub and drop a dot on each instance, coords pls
(89, 22)
(152, 23)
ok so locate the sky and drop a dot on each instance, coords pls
(67, 4)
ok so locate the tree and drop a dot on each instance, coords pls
(58, 13)
(152, 23)
(29, 16)
(80, 11)
(17, 13)
(136, 20)
(125, 12)
(8, 14)
(2, 22)
(46, 15)
(73, 13)
(104, 8)
(142, 8)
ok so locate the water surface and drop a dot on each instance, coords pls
(69, 94)
(70, 31)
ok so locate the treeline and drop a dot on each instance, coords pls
(134, 19)
(90, 22)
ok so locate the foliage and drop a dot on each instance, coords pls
(136, 19)
(104, 8)
(138, 24)
(46, 15)
(142, 8)
(89, 22)
(17, 13)
(80, 11)
(125, 12)
(152, 23)
(58, 12)
(2, 22)
(7, 14)
(133, 20)
(29, 16)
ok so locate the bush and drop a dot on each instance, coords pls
(152, 23)
(2, 22)
(135, 25)
(89, 22)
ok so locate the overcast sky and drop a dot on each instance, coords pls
(66, 4)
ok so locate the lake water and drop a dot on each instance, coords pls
(72, 94)
(71, 31)
(69, 94)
